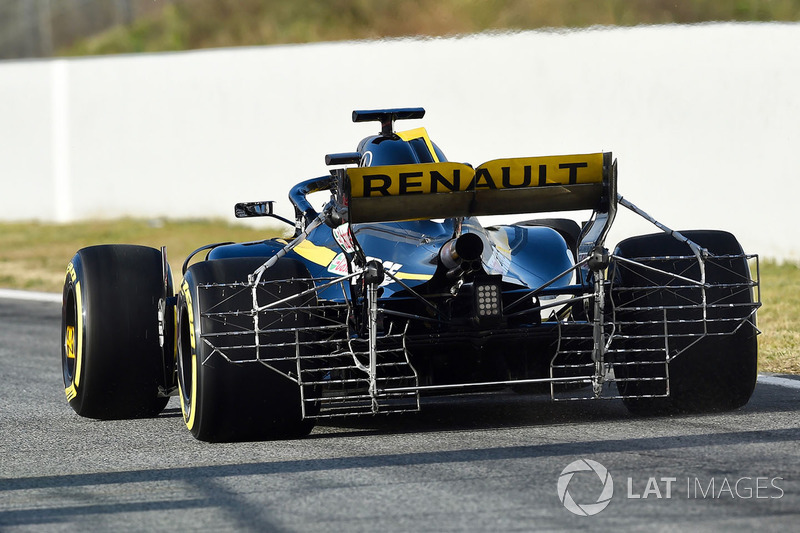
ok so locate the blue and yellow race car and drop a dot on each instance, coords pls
(394, 290)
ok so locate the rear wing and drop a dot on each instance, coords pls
(498, 187)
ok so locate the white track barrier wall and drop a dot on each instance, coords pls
(704, 120)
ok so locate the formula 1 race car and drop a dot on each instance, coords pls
(394, 290)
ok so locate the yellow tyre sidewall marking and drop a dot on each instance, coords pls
(72, 390)
(79, 334)
(189, 417)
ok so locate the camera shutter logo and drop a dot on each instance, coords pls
(585, 509)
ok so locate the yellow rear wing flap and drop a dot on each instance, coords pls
(497, 187)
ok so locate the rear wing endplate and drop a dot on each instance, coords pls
(498, 187)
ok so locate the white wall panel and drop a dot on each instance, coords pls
(26, 141)
(705, 120)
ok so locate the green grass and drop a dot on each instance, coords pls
(34, 256)
(779, 318)
(193, 24)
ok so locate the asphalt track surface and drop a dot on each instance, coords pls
(490, 462)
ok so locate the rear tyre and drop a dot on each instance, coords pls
(110, 353)
(715, 373)
(221, 400)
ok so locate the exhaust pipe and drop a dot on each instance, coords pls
(461, 255)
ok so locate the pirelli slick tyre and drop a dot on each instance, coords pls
(715, 373)
(110, 353)
(222, 398)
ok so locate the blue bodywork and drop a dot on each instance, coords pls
(525, 256)
(516, 258)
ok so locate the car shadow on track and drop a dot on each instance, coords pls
(506, 409)
(478, 411)
(498, 410)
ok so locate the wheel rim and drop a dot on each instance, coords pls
(69, 350)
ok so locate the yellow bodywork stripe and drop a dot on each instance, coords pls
(323, 257)
(500, 239)
(419, 133)
(316, 254)
(406, 275)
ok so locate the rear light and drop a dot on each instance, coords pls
(488, 298)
